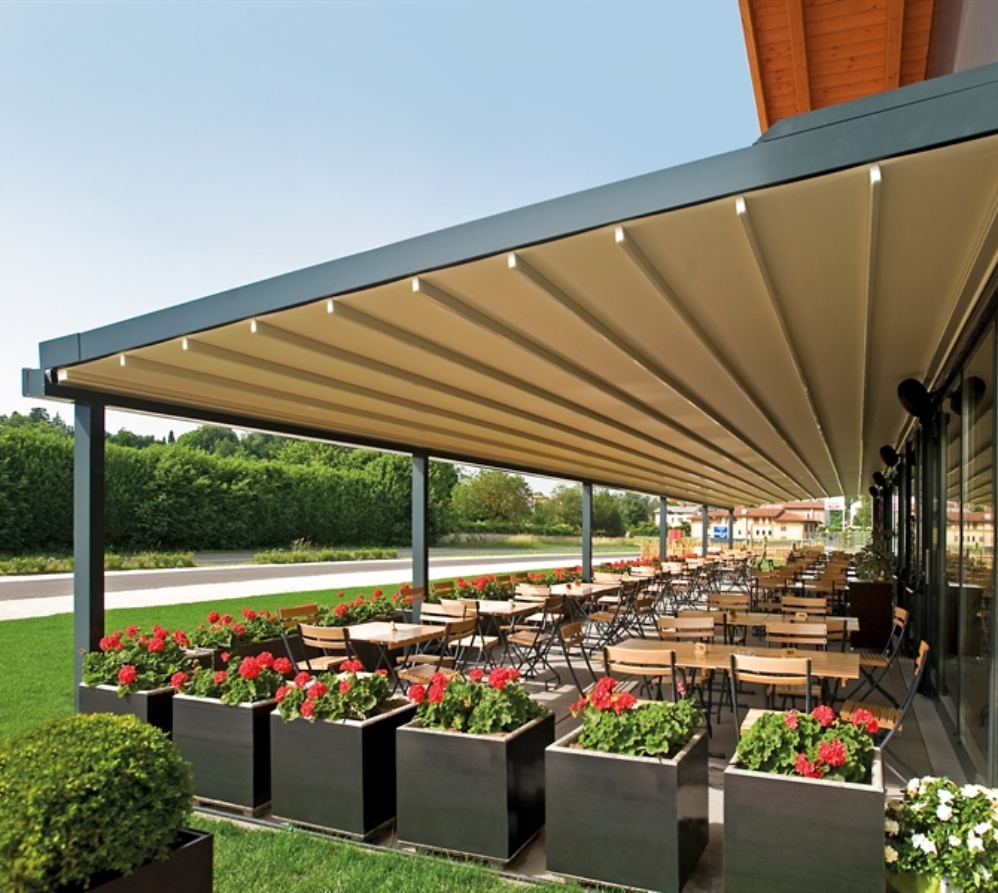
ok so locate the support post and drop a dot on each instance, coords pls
(88, 533)
(420, 525)
(663, 528)
(587, 531)
(705, 531)
(731, 529)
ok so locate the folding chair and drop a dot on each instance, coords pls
(889, 719)
(813, 607)
(413, 599)
(290, 618)
(529, 642)
(876, 665)
(784, 634)
(417, 669)
(648, 666)
(693, 627)
(771, 672)
(572, 636)
(332, 641)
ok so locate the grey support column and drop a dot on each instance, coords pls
(88, 532)
(705, 531)
(587, 531)
(420, 524)
(663, 528)
(731, 528)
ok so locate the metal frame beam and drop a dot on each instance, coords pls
(420, 525)
(663, 528)
(587, 531)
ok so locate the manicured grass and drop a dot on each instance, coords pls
(295, 862)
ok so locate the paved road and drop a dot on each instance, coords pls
(40, 596)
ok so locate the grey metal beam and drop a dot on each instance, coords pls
(922, 116)
(88, 533)
(731, 528)
(663, 528)
(420, 525)
(705, 531)
(587, 530)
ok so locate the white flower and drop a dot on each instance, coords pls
(920, 841)
(890, 855)
(974, 843)
(913, 786)
(891, 826)
(971, 790)
(944, 796)
(982, 828)
(944, 813)
(955, 841)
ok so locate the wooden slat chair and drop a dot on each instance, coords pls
(413, 599)
(838, 632)
(644, 613)
(693, 627)
(290, 618)
(648, 667)
(443, 589)
(611, 616)
(772, 673)
(571, 636)
(332, 641)
(520, 577)
(505, 583)
(731, 604)
(796, 604)
(890, 719)
(479, 641)
(528, 645)
(786, 634)
(448, 661)
(875, 665)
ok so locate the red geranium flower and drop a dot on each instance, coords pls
(281, 693)
(250, 668)
(340, 610)
(266, 659)
(177, 680)
(131, 631)
(865, 720)
(238, 630)
(156, 645)
(180, 637)
(224, 656)
(220, 677)
(791, 719)
(307, 709)
(378, 593)
(159, 632)
(248, 613)
(110, 643)
(214, 617)
(436, 693)
(344, 686)
(282, 665)
(226, 619)
(417, 693)
(824, 714)
(351, 666)
(317, 690)
(476, 674)
(832, 753)
(303, 679)
(803, 766)
(127, 674)
(381, 671)
(624, 701)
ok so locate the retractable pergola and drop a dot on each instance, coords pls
(725, 332)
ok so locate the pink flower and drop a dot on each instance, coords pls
(824, 714)
(127, 675)
(791, 719)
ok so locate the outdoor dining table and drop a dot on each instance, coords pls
(577, 595)
(373, 641)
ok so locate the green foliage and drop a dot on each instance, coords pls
(86, 795)
(876, 560)
(614, 722)
(245, 680)
(38, 564)
(350, 694)
(795, 743)
(301, 552)
(477, 705)
(361, 609)
(943, 830)
(134, 661)
(494, 496)
(226, 631)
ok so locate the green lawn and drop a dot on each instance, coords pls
(297, 862)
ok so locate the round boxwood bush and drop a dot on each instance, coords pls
(88, 795)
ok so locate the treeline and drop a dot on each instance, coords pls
(177, 496)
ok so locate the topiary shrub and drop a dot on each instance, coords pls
(87, 795)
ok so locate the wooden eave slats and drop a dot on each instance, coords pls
(809, 54)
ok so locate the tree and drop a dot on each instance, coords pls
(607, 518)
(211, 439)
(127, 438)
(635, 509)
(863, 516)
(37, 417)
(494, 496)
(565, 505)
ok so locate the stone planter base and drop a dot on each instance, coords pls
(481, 795)
(786, 834)
(189, 869)
(154, 707)
(336, 775)
(631, 821)
(228, 747)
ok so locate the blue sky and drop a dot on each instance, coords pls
(152, 153)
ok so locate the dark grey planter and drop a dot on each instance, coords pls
(189, 868)
(873, 604)
(154, 707)
(275, 646)
(482, 795)
(336, 775)
(228, 748)
(785, 834)
(632, 821)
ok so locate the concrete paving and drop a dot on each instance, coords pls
(43, 596)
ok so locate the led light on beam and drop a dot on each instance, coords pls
(511, 261)
(329, 306)
(619, 236)
(740, 207)
(874, 174)
(62, 375)
(121, 359)
(184, 344)
(253, 326)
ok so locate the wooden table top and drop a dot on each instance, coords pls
(575, 592)
(498, 608)
(761, 618)
(824, 664)
(381, 633)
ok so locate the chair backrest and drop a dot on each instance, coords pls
(644, 605)
(909, 698)
(413, 595)
(458, 629)
(838, 630)
(520, 577)
(291, 617)
(780, 633)
(601, 577)
(443, 589)
(572, 634)
(793, 604)
(898, 626)
(686, 628)
(530, 590)
(325, 638)
(647, 664)
(769, 671)
(443, 612)
(728, 601)
(504, 581)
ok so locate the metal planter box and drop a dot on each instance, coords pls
(228, 747)
(785, 834)
(632, 821)
(482, 795)
(336, 775)
(154, 707)
(188, 869)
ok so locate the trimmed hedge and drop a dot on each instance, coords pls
(173, 497)
(87, 795)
